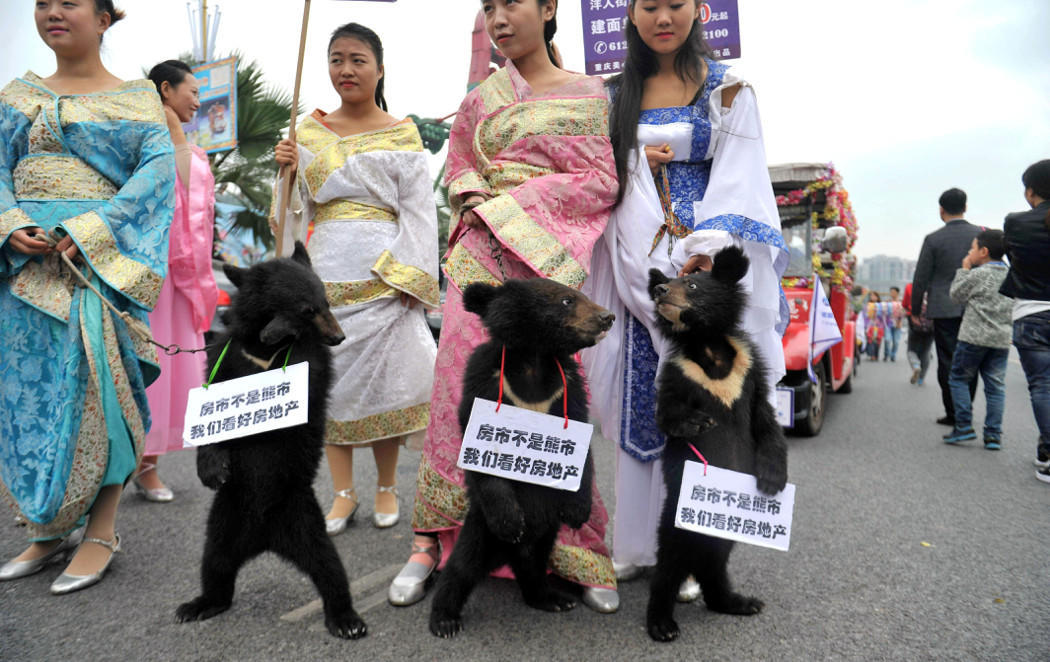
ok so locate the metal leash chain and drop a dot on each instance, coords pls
(134, 326)
(496, 251)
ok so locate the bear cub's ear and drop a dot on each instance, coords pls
(300, 255)
(478, 296)
(656, 277)
(235, 274)
(730, 265)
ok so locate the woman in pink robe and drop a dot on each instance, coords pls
(531, 182)
(187, 300)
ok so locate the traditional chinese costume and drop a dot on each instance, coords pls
(73, 410)
(371, 200)
(715, 192)
(545, 163)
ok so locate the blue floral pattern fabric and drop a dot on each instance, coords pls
(65, 358)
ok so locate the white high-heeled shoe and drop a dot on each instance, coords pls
(387, 520)
(410, 585)
(337, 525)
(18, 569)
(67, 583)
(161, 494)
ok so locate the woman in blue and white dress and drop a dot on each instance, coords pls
(693, 180)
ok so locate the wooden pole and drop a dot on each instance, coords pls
(204, 30)
(287, 187)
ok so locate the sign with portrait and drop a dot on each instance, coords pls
(214, 127)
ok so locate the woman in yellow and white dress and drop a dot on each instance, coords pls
(361, 177)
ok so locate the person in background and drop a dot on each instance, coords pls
(942, 252)
(96, 182)
(1026, 237)
(187, 301)
(875, 325)
(920, 337)
(894, 316)
(984, 339)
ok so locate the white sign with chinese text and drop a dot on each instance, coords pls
(727, 504)
(245, 406)
(524, 445)
(786, 407)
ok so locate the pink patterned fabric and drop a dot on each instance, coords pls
(551, 188)
(185, 308)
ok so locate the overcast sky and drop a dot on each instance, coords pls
(906, 98)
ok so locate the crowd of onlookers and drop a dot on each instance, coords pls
(976, 291)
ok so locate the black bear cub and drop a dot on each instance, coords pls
(539, 323)
(264, 498)
(713, 395)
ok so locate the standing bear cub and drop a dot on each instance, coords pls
(535, 327)
(264, 499)
(712, 395)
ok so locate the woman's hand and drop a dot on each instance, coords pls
(469, 218)
(30, 241)
(66, 245)
(696, 263)
(409, 301)
(658, 156)
(286, 154)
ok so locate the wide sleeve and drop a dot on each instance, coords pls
(14, 131)
(410, 264)
(125, 239)
(551, 222)
(299, 208)
(462, 174)
(192, 234)
(739, 208)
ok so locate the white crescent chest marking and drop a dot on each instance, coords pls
(542, 407)
(727, 389)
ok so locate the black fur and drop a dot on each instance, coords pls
(264, 497)
(540, 323)
(745, 437)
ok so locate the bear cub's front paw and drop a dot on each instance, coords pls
(693, 425)
(213, 467)
(771, 474)
(575, 514)
(507, 524)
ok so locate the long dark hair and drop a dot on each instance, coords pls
(627, 88)
(369, 37)
(549, 29)
(172, 72)
(1037, 178)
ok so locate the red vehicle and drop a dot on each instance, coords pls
(819, 229)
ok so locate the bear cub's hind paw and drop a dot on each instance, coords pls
(347, 625)
(553, 601)
(739, 605)
(507, 526)
(663, 629)
(198, 609)
(445, 626)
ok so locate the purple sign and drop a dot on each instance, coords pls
(605, 45)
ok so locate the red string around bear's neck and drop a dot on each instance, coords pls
(702, 458)
(564, 386)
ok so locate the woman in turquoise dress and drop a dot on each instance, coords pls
(86, 169)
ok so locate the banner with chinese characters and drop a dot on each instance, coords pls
(214, 126)
(245, 406)
(605, 46)
(727, 504)
(526, 446)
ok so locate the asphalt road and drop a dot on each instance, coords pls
(902, 548)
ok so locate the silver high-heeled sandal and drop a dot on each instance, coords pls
(67, 583)
(18, 569)
(387, 520)
(689, 591)
(157, 495)
(601, 600)
(337, 525)
(410, 585)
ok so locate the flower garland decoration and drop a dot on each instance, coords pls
(838, 211)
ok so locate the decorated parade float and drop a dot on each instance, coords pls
(820, 230)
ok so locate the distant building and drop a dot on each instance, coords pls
(880, 272)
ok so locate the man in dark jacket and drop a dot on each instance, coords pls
(942, 253)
